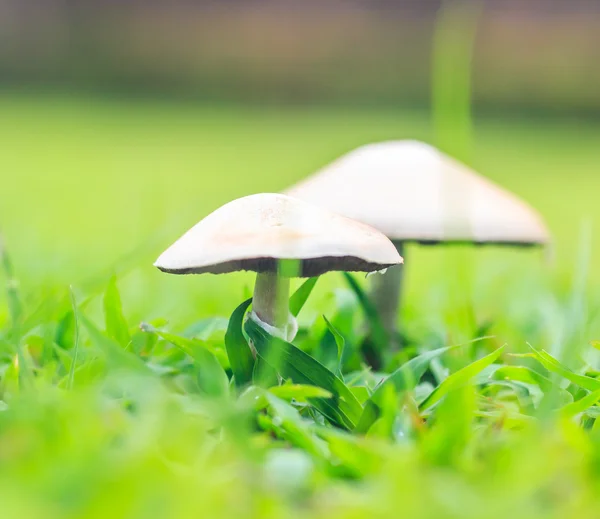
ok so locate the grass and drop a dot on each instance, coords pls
(102, 417)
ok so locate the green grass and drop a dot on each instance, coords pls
(102, 418)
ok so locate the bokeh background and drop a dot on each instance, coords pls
(122, 123)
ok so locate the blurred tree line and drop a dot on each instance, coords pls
(530, 55)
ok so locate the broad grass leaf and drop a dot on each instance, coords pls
(264, 375)
(460, 378)
(210, 375)
(386, 416)
(343, 409)
(581, 405)
(405, 378)
(116, 356)
(522, 374)
(340, 343)
(354, 457)
(208, 361)
(116, 325)
(554, 366)
(205, 328)
(238, 350)
(300, 296)
(451, 430)
(288, 423)
(188, 346)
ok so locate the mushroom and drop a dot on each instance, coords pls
(412, 192)
(265, 232)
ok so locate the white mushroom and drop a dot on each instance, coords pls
(411, 191)
(265, 231)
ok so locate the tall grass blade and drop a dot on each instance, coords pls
(340, 343)
(379, 334)
(238, 350)
(554, 366)
(73, 365)
(116, 324)
(15, 306)
(301, 295)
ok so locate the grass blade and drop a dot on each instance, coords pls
(211, 377)
(299, 392)
(581, 405)
(460, 378)
(340, 343)
(300, 296)
(116, 325)
(404, 378)
(114, 353)
(238, 351)
(71, 378)
(554, 366)
(188, 346)
(15, 306)
(379, 335)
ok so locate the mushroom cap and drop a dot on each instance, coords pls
(257, 231)
(411, 191)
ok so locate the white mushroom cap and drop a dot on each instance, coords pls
(255, 232)
(411, 191)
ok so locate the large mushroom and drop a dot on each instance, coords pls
(260, 233)
(412, 192)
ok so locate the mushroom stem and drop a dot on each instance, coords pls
(270, 302)
(385, 293)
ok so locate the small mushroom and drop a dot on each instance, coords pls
(412, 192)
(261, 233)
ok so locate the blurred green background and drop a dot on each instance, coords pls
(122, 124)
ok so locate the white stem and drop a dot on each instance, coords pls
(270, 305)
(385, 293)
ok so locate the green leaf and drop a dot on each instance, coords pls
(522, 374)
(290, 425)
(378, 332)
(404, 378)
(75, 342)
(204, 328)
(595, 344)
(116, 325)
(238, 351)
(15, 306)
(115, 354)
(554, 366)
(211, 377)
(343, 409)
(264, 375)
(460, 378)
(339, 342)
(299, 392)
(188, 346)
(581, 405)
(300, 296)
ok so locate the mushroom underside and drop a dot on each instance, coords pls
(306, 267)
